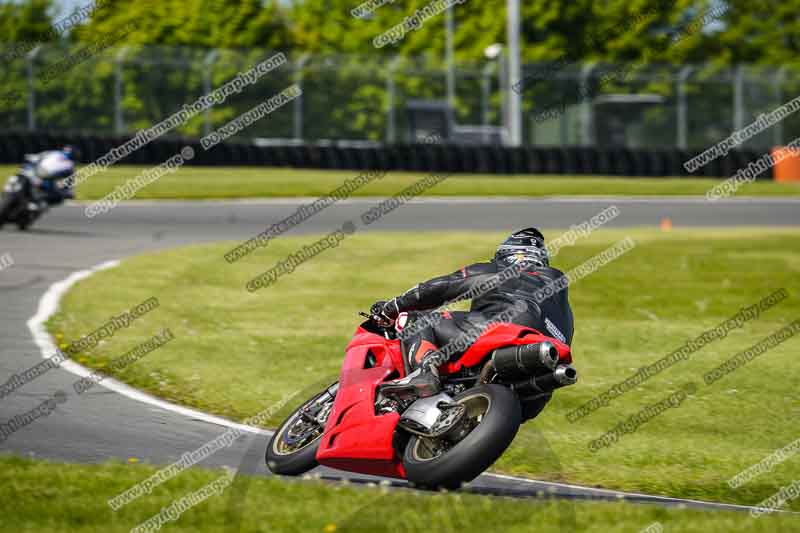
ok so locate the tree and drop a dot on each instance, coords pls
(26, 22)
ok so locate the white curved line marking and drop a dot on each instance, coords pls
(48, 304)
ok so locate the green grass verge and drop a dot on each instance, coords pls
(196, 183)
(236, 353)
(46, 497)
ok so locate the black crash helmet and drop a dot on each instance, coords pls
(526, 244)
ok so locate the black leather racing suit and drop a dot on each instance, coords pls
(551, 316)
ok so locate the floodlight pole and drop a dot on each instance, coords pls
(514, 98)
(451, 75)
(298, 102)
(29, 63)
(119, 119)
(683, 108)
(208, 67)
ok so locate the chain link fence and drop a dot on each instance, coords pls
(120, 90)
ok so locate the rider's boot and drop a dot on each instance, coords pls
(424, 381)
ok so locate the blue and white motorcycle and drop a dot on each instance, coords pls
(40, 182)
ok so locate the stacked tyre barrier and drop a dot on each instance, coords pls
(441, 158)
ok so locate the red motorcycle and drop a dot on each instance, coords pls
(503, 379)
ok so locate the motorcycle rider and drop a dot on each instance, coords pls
(422, 349)
(44, 170)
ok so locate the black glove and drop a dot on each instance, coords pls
(389, 309)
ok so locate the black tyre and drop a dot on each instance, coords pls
(24, 221)
(495, 413)
(292, 450)
(6, 204)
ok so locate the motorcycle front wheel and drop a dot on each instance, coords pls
(24, 221)
(6, 205)
(293, 448)
(492, 418)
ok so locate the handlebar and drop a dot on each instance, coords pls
(378, 320)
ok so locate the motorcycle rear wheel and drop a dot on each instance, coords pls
(495, 414)
(292, 450)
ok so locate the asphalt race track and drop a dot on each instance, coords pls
(102, 424)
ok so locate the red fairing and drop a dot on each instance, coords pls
(390, 348)
(500, 335)
(355, 438)
(358, 440)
